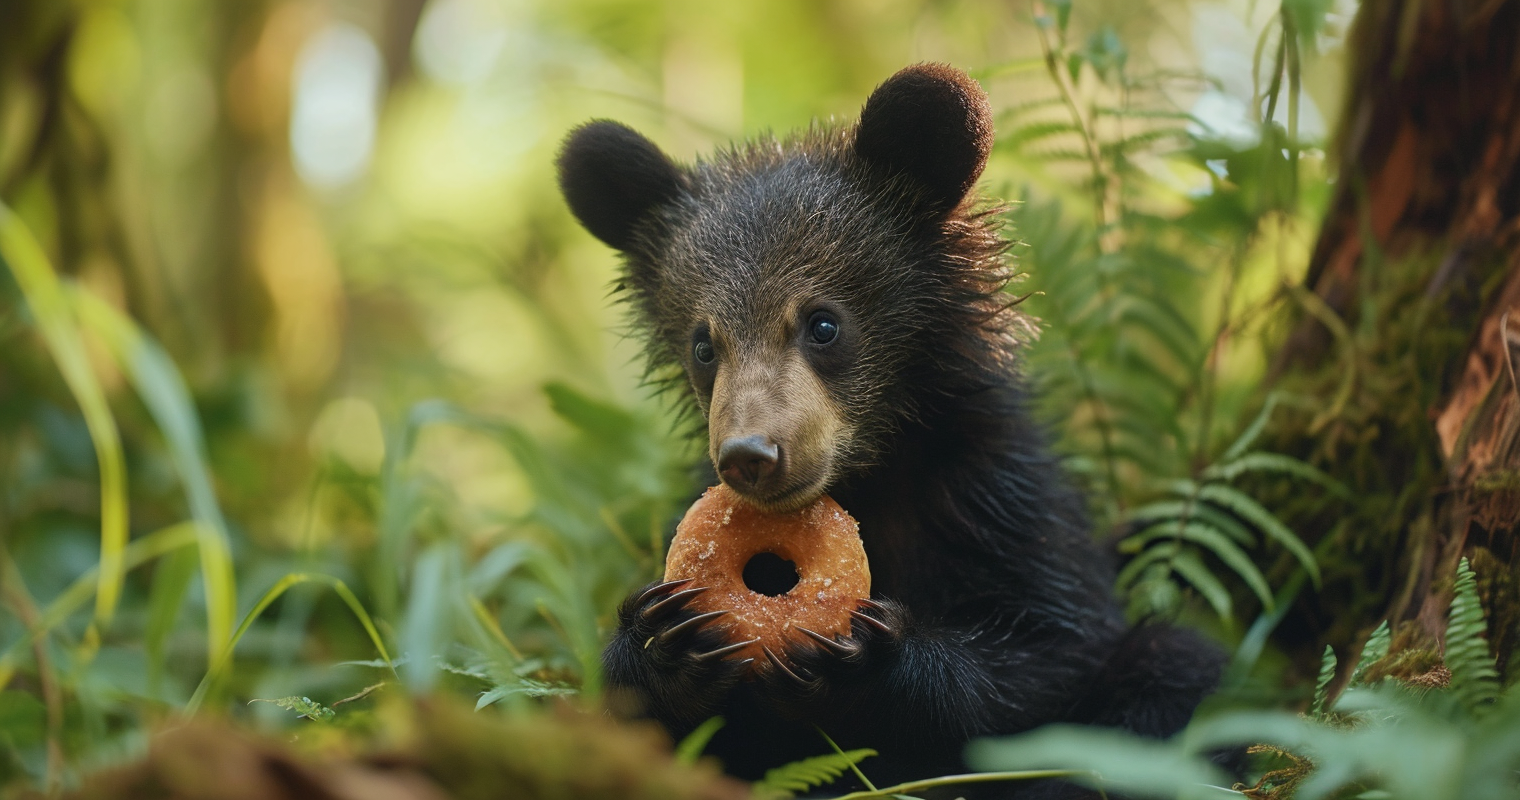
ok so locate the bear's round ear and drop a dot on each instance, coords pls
(612, 177)
(932, 122)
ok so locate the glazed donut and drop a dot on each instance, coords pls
(771, 572)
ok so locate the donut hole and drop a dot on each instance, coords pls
(770, 574)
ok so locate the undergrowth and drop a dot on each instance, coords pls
(1155, 251)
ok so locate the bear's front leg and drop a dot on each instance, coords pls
(894, 684)
(668, 663)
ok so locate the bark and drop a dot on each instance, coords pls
(1418, 274)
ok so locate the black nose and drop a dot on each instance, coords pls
(745, 461)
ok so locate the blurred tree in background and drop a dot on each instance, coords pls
(310, 383)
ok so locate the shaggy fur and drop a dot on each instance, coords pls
(994, 610)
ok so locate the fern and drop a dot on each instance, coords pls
(799, 776)
(1327, 666)
(1375, 650)
(1474, 681)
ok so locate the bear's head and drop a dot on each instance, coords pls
(816, 293)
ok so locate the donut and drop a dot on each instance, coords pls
(771, 572)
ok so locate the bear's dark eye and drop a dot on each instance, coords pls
(822, 328)
(702, 351)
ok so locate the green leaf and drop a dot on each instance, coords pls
(46, 298)
(1190, 566)
(1375, 650)
(1474, 680)
(800, 776)
(527, 687)
(1256, 514)
(163, 391)
(1029, 133)
(1327, 664)
(1217, 543)
(171, 580)
(1275, 462)
(220, 667)
(304, 706)
(691, 747)
(1249, 435)
(1104, 758)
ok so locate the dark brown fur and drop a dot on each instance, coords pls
(993, 609)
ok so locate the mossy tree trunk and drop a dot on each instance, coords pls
(1409, 321)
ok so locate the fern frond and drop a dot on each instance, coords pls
(1217, 543)
(1275, 462)
(1375, 650)
(1249, 435)
(1246, 507)
(1327, 664)
(800, 776)
(1191, 567)
(1474, 680)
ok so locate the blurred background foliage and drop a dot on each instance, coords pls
(311, 256)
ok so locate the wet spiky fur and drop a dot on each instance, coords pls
(994, 610)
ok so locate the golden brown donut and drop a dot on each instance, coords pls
(721, 534)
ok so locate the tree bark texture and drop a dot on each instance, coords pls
(1411, 322)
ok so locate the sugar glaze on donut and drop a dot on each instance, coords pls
(723, 540)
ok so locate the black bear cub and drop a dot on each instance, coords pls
(832, 301)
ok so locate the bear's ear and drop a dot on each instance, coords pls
(612, 177)
(932, 122)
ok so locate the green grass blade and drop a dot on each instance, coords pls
(691, 747)
(163, 391)
(1253, 430)
(219, 668)
(171, 580)
(45, 296)
(138, 552)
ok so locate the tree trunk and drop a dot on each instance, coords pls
(1413, 326)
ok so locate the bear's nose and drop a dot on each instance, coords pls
(745, 461)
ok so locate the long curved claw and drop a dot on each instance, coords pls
(781, 665)
(873, 605)
(834, 646)
(878, 625)
(725, 650)
(661, 588)
(691, 624)
(673, 602)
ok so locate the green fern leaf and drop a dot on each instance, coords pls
(1190, 566)
(1375, 650)
(1125, 581)
(1249, 435)
(1217, 543)
(1255, 513)
(305, 707)
(1327, 665)
(1275, 462)
(1033, 132)
(800, 776)
(1473, 678)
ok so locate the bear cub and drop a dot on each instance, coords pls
(832, 303)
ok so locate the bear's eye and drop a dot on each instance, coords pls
(702, 351)
(822, 328)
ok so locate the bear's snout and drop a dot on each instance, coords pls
(745, 462)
